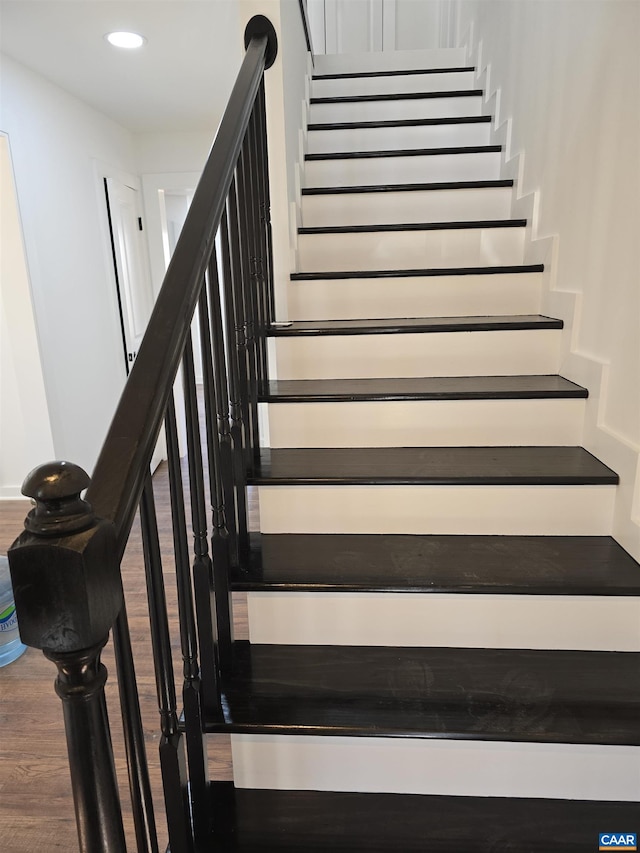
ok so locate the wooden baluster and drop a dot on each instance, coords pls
(203, 587)
(173, 762)
(220, 544)
(265, 203)
(217, 393)
(138, 769)
(259, 250)
(194, 722)
(238, 274)
(247, 245)
(235, 396)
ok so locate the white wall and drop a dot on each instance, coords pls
(417, 25)
(60, 147)
(25, 431)
(566, 78)
(355, 26)
(177, 151)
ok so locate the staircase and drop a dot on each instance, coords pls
(444, 648)
(444, 635)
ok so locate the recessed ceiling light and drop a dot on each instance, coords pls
(128, 40)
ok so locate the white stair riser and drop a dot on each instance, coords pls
(427, 423)
(431, 296)
(459, 768)
(456, 510)
(389, 208)
(588, 623)
(416, 169)
(349, 86)
(404, 108)
(389, 60)
(379, 250)
(393, 138)
(512, 353)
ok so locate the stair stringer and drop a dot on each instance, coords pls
(575, 364)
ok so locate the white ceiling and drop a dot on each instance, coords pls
(180, 80)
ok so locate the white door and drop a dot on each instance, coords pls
(135, 296)
(133, 282)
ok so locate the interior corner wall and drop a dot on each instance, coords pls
(56, 142)
(568, 76)
(25, 429)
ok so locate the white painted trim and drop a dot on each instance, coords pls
(481, 166)
(439, 296)
(406, 207)
(350, 86)
(389, 13)
(379, 250)
(467, 105)
(499, 510)
(459, 768)
(427, 423)
(492, 353)
(587, 623)
(387, 60)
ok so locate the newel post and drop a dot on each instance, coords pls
(68, 592)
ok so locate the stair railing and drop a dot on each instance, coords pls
(306, 26)
(66, 564)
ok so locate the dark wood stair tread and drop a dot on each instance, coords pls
(394, 188)
(334, 275)
(401, 122)
(453, 693)
(455, 225)
(353, 75)
(431, 466)
(405, 152)
(399, 96)
(501, 322)
(498, 565)
(423, 388)
(265, 821)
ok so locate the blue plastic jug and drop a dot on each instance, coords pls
(11, 647)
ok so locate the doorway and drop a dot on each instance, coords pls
(131, 270)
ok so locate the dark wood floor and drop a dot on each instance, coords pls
(36, 809)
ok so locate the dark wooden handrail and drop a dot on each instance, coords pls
(66, 564)
(306, 26)
(119, 475)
